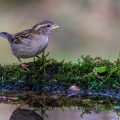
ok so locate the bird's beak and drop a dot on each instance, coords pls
(55, 26)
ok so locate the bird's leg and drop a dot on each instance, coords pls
(23, 65)
(43, 54)
(38, 57)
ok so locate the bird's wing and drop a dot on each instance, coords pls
(20, 36)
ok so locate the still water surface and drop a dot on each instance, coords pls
(74, 114)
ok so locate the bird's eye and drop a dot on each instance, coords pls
(48, 25)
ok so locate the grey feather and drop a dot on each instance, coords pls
(6, 35)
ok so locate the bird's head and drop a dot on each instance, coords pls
(45, 27)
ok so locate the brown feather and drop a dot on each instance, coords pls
(20, 35)
(37, 29)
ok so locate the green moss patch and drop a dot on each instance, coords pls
(47, 83)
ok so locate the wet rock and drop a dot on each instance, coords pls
(24, 114)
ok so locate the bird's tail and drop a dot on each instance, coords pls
(6, 35)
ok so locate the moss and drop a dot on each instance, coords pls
(83, 70)
(47, 74)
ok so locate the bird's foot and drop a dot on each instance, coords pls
(25, 66)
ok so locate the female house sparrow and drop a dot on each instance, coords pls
(30, 43)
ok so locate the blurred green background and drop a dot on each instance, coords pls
(87, 26)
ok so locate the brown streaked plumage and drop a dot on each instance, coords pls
(31, 42)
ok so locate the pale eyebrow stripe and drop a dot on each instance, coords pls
(39, 26)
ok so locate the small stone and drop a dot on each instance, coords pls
(74, 88)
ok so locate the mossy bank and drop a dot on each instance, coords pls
(48, 81)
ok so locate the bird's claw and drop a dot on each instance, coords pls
(25, 66)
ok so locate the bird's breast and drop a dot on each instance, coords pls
(30, 47)
(39, 43)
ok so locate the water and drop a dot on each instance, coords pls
(57, 114)
(101, 104)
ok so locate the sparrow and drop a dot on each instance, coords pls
(31, 42)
